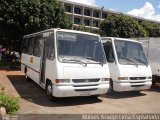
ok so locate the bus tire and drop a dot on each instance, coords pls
(94, 96)
(153, 83)
(137, 91)
(49, 89)
(111, 91)
(26, 76)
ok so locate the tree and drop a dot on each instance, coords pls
(152, 29)
(82, 27)
(20, 17)
(121, 26)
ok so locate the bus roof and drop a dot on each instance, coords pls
(59, 29)
(115, 38)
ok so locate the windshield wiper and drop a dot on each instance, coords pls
(130, 61)
(90, 58)
(140, 61)
(76, 60)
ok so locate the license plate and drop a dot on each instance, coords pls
(137, 88)
(85, 93)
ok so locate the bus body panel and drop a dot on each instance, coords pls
(84, 72)
(51, 70)
(133, 70)
(137, 78)
(68, 91)
(33, 65)
(77, 73)
(126, 86)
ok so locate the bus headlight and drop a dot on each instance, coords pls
(123, 78)
(105, 79)
(62, 80)
(149, 77)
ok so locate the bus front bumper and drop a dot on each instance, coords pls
(127, 86)
(70, 91)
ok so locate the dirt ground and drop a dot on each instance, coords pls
(33, 99)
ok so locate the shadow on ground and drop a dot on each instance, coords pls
(155, 88)
(120, 95)
(30, 91)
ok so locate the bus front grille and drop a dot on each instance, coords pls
(137, 78)
(86, 89)
(138, 82)
(85, 85)
(85, 80)
(137, 85)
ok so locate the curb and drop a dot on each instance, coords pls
(3, 114)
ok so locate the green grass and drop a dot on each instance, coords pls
(11, 104)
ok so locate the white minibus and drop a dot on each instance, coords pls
(66, 63)
(128, 65)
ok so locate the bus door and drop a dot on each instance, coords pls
(43, 63)
(46, 44)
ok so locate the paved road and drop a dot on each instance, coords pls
(33, 99)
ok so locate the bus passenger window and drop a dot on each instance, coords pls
(30, 45)
(50, 47)
(37, 45)
(24, 48)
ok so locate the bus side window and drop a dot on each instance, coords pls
(24, 45)
(50, 47)
(37, 45)
(30, 45)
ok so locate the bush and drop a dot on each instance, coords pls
(11, 104)
(6, 63)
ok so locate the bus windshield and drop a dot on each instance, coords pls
(129, 52)
(81, 48)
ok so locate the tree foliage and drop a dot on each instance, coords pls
(20, 17)
(121, 26)
(82, 27)
(152, 29)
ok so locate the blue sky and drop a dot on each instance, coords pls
(127, 5)
(143, 8)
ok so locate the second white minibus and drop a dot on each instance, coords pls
(66, 62)
(128, 65)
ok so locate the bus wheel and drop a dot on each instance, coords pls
(27, 78)
(137, 92)
(49, 89)
(110, 91)
(153, 83)
(94, 96)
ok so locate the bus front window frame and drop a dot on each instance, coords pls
(85, 58)
(130, 59)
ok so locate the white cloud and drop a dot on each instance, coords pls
(87, 2)
(147, 11)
